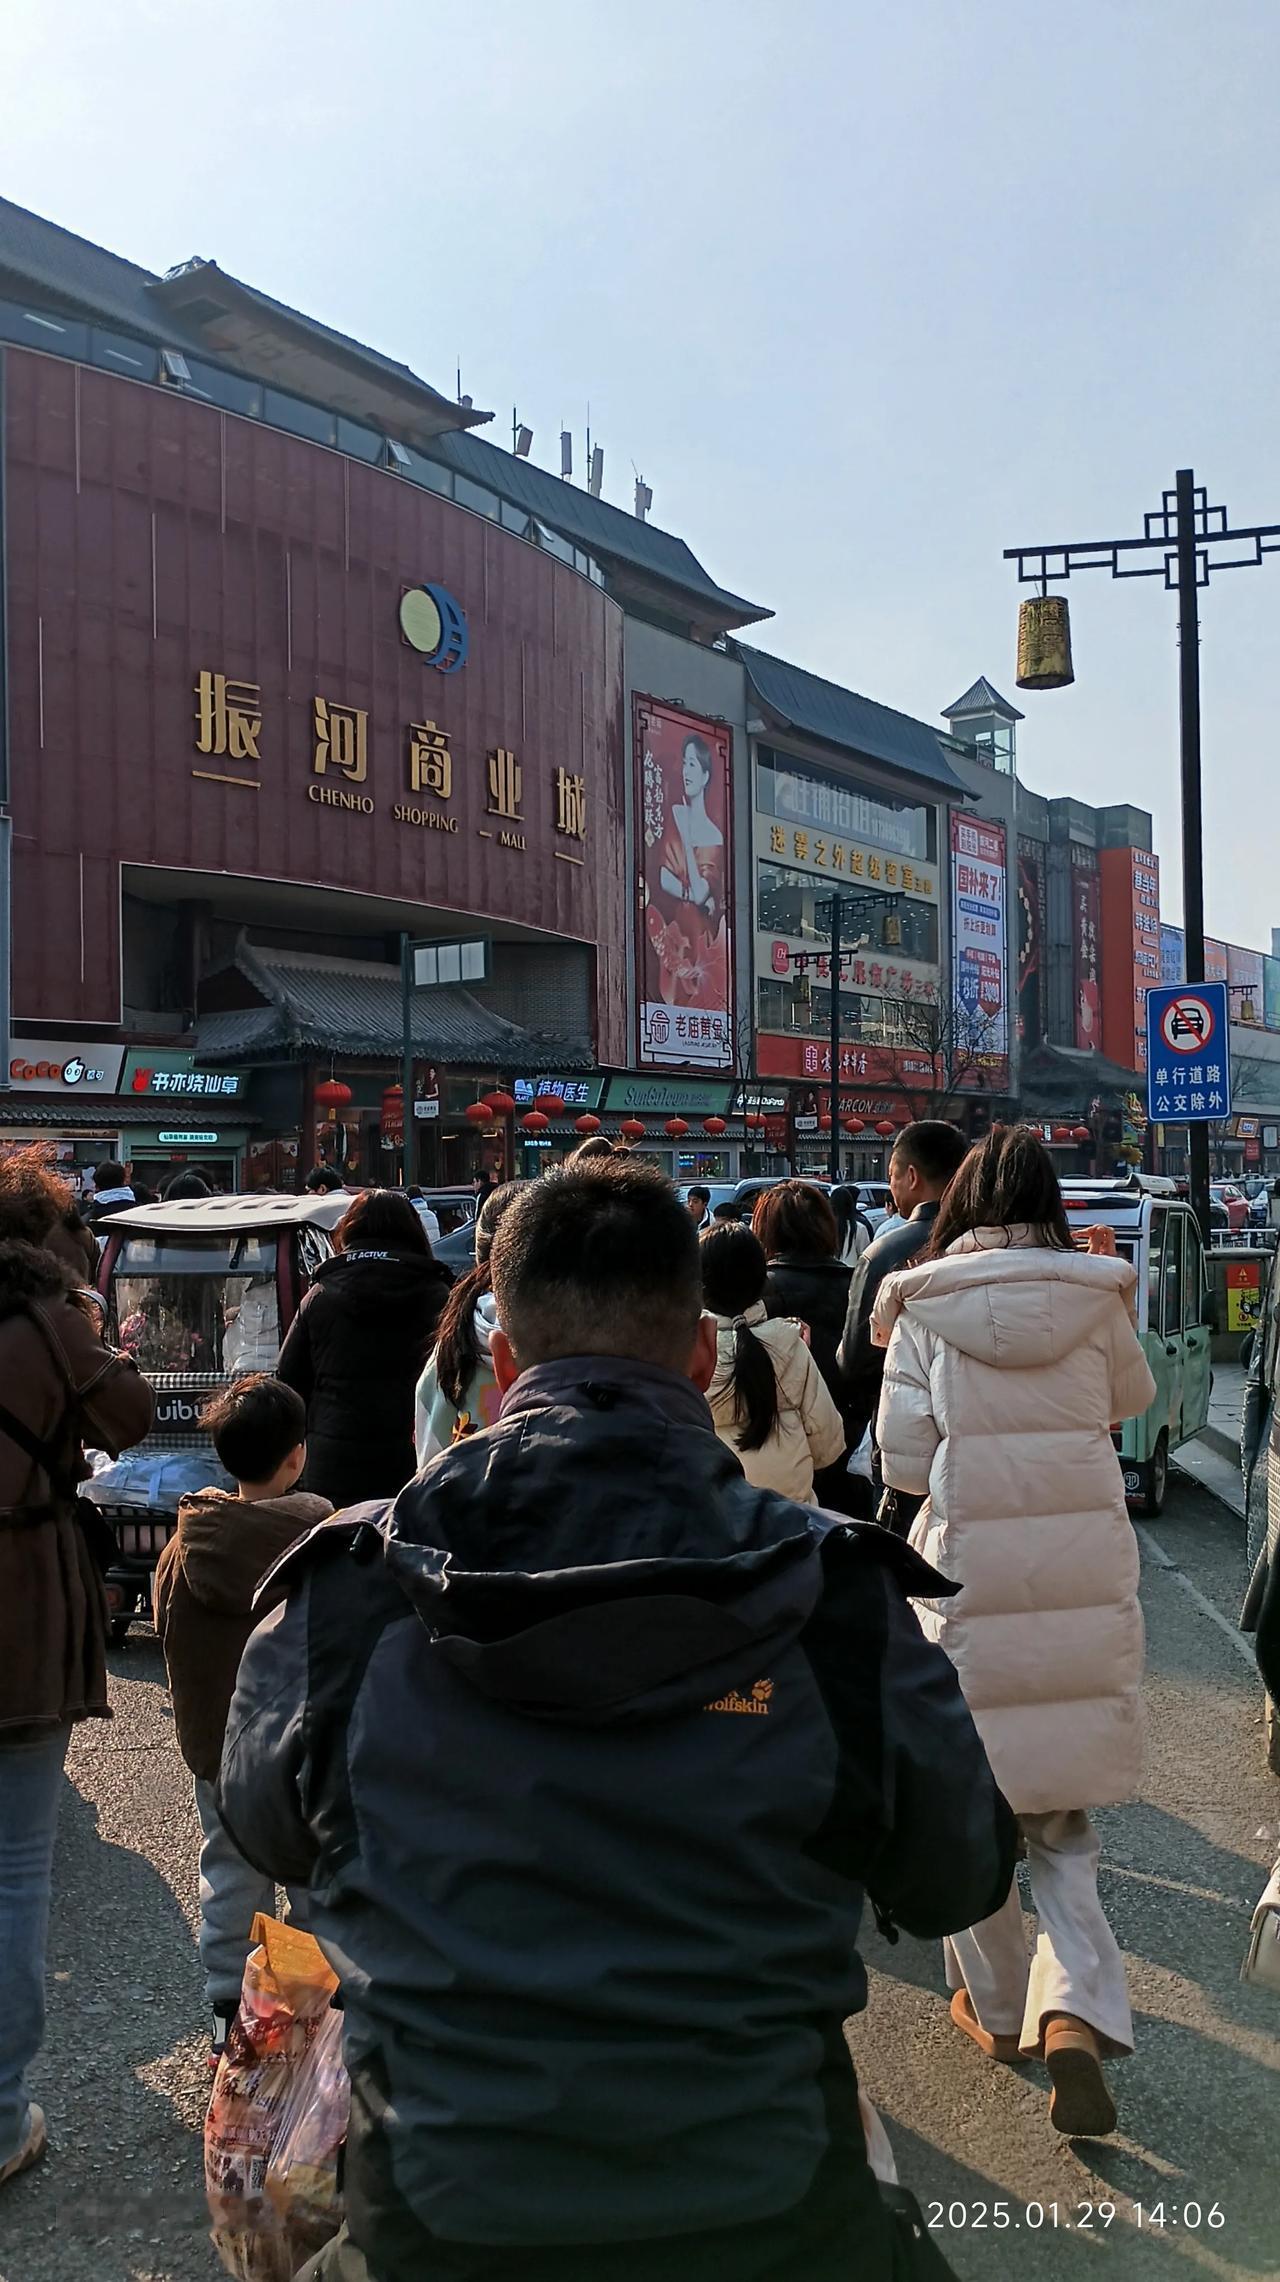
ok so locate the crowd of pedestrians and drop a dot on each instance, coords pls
(583, 1729)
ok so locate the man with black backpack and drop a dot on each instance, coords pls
(589, 1752)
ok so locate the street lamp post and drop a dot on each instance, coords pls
(1189, 541)
(842, 918)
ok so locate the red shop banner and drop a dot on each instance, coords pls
(789, 1057)
(683, 802)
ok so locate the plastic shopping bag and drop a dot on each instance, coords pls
(278, 2115)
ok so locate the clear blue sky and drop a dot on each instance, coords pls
(867, 292)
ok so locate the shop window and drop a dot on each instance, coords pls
(476, 497)
(359, 442)
(230, 391)
(795, 903)
(299, 417)
(42, 329)
(115, 352)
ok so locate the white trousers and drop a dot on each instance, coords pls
(1076, 1966)
(231, 1894)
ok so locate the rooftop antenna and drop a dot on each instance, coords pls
(644, 497)
(595, 478)
(521, 437)
(566, 454)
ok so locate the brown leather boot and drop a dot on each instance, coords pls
(1080, 2104)
(996, 2047)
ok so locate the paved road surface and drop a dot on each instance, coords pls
(124, 2079)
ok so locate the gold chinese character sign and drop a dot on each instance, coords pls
(506, 779)
(571, 805)
(430, 760)
(342, 739)
(228, 723)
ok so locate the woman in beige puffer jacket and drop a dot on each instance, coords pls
(1010, 1356)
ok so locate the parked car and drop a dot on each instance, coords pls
(1259, 1205)
(1234, 1203)
(1177, 1315)
(197, 1291)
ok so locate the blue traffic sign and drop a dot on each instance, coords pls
(1188, 1054)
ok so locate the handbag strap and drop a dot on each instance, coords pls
(40, 1452)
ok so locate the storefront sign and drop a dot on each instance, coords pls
(755, 1098)
(684, 810)
(1173, 954)
(791, 1057)
(669, 1097)
(51, 1065)
(188, 1140)
(1129, 886)
(576, 1093)
(1086, 928)
(979, 961)
(172, 1076)
(1215, 960)
(797, 792)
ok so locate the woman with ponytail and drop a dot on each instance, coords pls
(458, 1393)
(767, 1398)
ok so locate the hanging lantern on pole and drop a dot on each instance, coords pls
(676, 1127)
(550, 1104)
(586, 1124)
(754, 1120)
(332, 1094)
(535, 1121)
(1081, 1133)
(632, 1129)
(824, 1122)
(1044, 643)
(854, 1124)
(480, 1113)
(715, 1126)
(501, 1103)
(884, 1127)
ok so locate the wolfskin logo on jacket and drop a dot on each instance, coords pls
(757, 1702)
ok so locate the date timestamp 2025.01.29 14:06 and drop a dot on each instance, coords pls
(1083, 2218)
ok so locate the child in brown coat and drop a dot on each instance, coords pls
(204, 1592)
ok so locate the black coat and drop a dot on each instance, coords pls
(817, 1291)
(354, 1352)
(592, 1855)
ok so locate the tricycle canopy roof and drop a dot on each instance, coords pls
(230, 1215)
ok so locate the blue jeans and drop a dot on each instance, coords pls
(30, 1783)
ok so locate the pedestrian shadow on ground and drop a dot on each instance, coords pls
(1184, 1904)
(139, 1659)
(125, 1996)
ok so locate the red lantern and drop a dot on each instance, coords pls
(500, 1103)
(1062, 1133)
(676, 1127)
(550, 1104)
(332, 1094)
(480, 1113)
(824, 1122)
(854, 1124)
(586, 1123)
(885, 1126)
(632, 1128)
(755, 1120)
(714, 1126)
(534, 1121)
(1081, 1133)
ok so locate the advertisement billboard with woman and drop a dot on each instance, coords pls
(684, 848)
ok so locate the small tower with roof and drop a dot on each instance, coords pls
(985, 719)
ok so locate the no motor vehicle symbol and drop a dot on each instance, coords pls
(1187, 1024)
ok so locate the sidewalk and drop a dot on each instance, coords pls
(1213, 1458)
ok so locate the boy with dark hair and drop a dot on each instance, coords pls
(697, 1204)
(205, 1583)
(923, 1162)
(588, 1751)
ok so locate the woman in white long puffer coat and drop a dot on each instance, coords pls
(1010, 1356)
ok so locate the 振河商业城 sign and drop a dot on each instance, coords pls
(1188, 1053)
